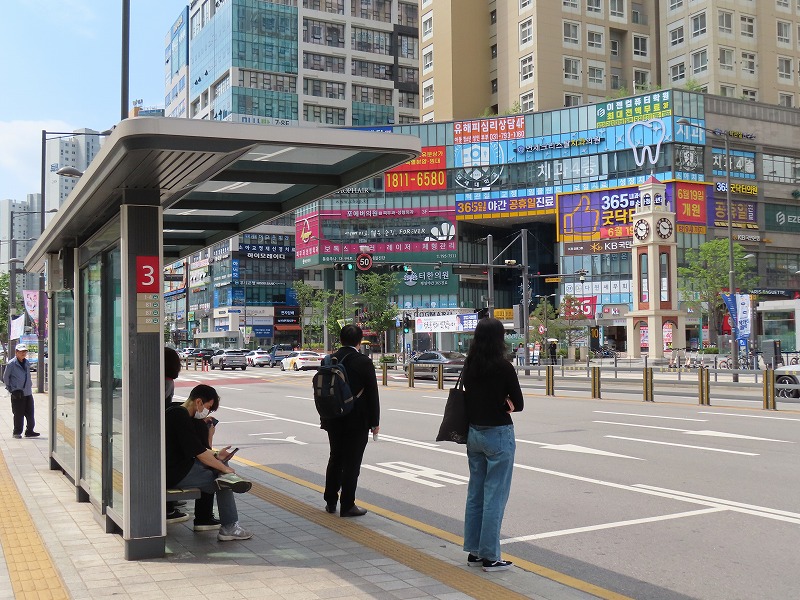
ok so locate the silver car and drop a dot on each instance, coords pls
(787, 375)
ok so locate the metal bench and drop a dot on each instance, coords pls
(191, 493)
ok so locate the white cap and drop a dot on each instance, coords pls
(21, 348)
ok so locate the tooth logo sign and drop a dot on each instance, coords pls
(638, 134)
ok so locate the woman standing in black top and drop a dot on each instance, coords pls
(492, 392)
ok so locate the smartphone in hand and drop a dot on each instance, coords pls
(230, 455)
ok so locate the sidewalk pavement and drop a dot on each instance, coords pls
(53, 547)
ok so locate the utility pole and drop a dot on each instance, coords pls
(525, 295)
(490, 274)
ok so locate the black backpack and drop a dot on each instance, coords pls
(332, 394)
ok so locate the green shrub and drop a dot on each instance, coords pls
(712, 350)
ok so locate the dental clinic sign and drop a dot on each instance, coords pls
(630, 110)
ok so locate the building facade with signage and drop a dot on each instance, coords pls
(571, 177)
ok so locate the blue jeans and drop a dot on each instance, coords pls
(490, 451)
(200, 476)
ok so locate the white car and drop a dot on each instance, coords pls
(253, 358)
(301, 360)
(787, 375)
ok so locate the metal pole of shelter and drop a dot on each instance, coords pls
(12, 284)
(490, 274)
(42, 299)
(125, 67)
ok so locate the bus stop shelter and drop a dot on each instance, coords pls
(160, 189)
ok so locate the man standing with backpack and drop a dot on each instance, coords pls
(348, 434)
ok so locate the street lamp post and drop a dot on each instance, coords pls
(731, 264)
(545, 297)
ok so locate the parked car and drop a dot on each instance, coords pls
(202, 353)
(186, 352)
(427, 363)
(787, 375)
(301, 360)
(253, 354)
(229, 358)
(278, 352)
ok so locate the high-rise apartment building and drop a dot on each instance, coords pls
(340, 62)
(19, 221)
(482, 56)
(67, 151)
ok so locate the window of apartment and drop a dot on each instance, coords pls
(784, 32)
(749, 63)
(523, 4)
(699, 24)
(572, 69)
(748, 94)
(676, 36)
(427, 60)
(748, 26)
(571, 33)
(493, 17)
(526, 102)
(427, 93)
(526, 32)
(727, 91)
(675, 4)
(526, 67)
(786, 100)
(699, 62)
(570, 3)
(725, 21)
(784, 67)
(494, 86)
(641, 80)
(593, 6)
(594, 39)
(782, 3)
(637, 14)
(614, 47)
(617, 8)
(677, 72)
(640, 46)
(596, 75)
(493, 51)
(572, 99)
(726, 59)
(427, 26)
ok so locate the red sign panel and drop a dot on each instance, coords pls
(432, 158)
(415, 181)
(148, 277)
(692, 200)
(364, 262)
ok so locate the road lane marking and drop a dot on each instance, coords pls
(617, 437)
(575, 448)
(749, 416)
(706, 432)
(752, 509)
(436, 397)
(418, 474)
(608, 412)
(550, 534)
(415, 412)
(224, 387)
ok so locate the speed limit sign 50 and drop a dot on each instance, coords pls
(364, 262)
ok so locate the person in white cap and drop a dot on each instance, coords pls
(17, 379)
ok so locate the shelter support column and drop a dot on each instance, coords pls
(143, 478)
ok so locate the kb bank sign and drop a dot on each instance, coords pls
(782, 218)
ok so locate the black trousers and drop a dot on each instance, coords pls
(344, 465)
(22, 409)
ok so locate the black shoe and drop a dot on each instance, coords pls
(496, 565)
(211, 524)
(354, 511)
(32, 434)
(330, 508)
(17, 436)
(176, 516)
(179, 502)
(474, 561)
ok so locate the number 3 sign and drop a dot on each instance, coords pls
(147, 275)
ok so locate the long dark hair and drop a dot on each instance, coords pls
(488, 347)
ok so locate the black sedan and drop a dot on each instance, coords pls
(427, 363)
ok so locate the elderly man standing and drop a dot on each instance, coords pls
(17, 379)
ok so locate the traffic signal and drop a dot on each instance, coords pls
(406, 325)
(342, 266)
(400, 267)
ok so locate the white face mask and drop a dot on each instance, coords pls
(202, 414)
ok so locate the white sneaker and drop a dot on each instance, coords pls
(234, 531)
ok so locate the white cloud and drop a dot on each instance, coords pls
(21, 155)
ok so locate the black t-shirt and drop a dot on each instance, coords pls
(182, 443)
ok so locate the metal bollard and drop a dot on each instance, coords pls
(769, 390)
(440, 376)
(385, 374)
(647, 384)
(549, 383)
(595, 382)
(410, 374)
(703, 386)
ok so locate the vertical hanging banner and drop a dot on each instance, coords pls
(730, 303)
(744, 321)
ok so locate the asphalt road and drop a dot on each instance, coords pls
(650, 500)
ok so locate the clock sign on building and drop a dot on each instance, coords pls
(655, 273)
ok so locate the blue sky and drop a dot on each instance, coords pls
(60, 69)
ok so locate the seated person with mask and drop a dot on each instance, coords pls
(191, 464)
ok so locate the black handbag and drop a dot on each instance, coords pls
(17, 395)
(455, 423)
